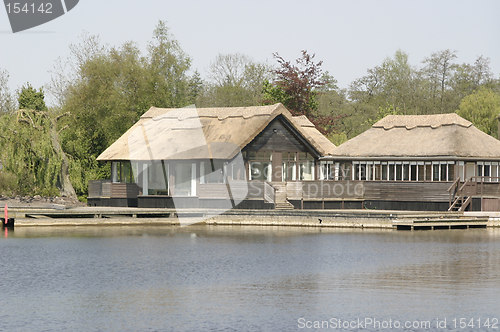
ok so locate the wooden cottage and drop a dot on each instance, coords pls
(419, 162)
(205, 157)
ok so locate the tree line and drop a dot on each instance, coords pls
(100, 91)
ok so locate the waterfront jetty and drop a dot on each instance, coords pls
(442, 222)
(124, 216)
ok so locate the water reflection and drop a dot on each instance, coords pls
(240, 277)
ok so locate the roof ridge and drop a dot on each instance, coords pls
(424, 121)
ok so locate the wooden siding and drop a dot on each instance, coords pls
(490, 204)
(276, 137)
(124, 190)
(317, 190)
(252, 189)
(107, 189)
(95, 189)
(368, 190)
(294, 190)
(481, 189)
(407, 191)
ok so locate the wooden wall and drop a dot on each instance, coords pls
(407, 191)
(278, 138)
(239, 189)
(369, 190)
(490, 204)
(105, 188)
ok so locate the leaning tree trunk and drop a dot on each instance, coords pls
(66, 186)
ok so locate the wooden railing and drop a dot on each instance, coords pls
(368, 190)
(99, 188)
(237, 190)
(269, 193)
(461, 193)
(452, 190)
(107, 189)
(483, 185)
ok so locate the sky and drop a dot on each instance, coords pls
(348, 36)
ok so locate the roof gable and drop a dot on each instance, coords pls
(281, 136)
(202, 133)
(421, 136)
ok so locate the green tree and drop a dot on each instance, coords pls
(438, 73)
(6, 99)
(31, 155)
(111, 89)
(469, 77)
(167, 66)
(394, 82)
(482, 108)
(31, 99)
(195, 86)
(234, 80)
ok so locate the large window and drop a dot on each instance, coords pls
(392, 171)
(489, 170)
(213, 171)
(260, 164)
(157, 177)
(406, 171)
(385, 171)
(435, 172)
(306, 166)
(289, 166)
(330, 170)
(494, 172)
(121, 172)
(345, 170)
(428, 171)
(420, 171)
(413, 171)
(377, 170)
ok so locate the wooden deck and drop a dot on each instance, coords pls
(108, 216)
(430, 223)
(116, 212)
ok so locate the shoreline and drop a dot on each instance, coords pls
(104, 216)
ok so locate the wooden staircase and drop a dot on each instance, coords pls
(281, 202)
(460, 203)
(459, 199)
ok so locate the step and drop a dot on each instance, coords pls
(284, 206)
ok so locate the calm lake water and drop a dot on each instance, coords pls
(215, 278)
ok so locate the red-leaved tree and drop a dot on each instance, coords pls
(296, 86)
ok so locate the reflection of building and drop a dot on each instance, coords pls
(192, 157)
(410, 162)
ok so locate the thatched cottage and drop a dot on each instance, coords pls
(420, 162)
(263, 157)
(207, 157)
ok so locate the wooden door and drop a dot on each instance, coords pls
(277, 167)
(470, 170)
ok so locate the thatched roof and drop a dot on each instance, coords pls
(421, 136)
(203, 133)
